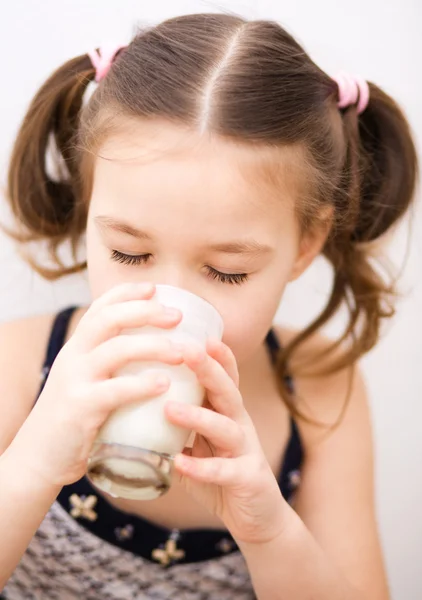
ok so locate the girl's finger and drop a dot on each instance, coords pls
(222, 432)
(117, 352)
(121, 293)
(222, 392)
(111, 320)
(119, 391)
(222, 354)
(216, 470)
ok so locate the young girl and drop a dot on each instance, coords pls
(214, 155)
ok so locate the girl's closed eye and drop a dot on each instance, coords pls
(234, 278)
(129, 259)
(138, 259)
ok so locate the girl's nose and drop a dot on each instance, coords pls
(175, 277)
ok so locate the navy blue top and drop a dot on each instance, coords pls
(138, 535)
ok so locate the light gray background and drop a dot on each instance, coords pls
(381, 41)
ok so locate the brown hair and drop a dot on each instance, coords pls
(263, 89)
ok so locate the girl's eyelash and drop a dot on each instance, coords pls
(138, 259)
(129, 259)
(233, 278)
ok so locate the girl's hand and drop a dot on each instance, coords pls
(227, 470)
(81, 391)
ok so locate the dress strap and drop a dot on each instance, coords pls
(56, 341)
(289, 477)
(274, 345)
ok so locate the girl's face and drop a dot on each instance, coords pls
(171, 206)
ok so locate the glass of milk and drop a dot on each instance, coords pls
(132, 455)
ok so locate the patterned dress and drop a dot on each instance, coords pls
(85, 549)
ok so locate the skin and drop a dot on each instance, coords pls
(207, 211)
(192, 201)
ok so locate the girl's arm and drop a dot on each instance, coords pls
(293, 565)
(330, 549)
(25, 498)
(48, 447)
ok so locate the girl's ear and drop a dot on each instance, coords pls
(312, 242)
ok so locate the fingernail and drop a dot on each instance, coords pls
(199, 354)
(161, 381)
(214, 342)
(144, 286)
(182, 461)
(172, 313)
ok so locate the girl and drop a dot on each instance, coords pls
(214, 155)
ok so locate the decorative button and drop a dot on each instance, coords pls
(170, 553)
(225, 545)
(294, 478)
(83, 507)
(124, 533)
(44, 373)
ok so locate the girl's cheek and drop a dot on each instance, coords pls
(244, 337)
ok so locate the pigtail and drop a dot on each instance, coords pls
(389, 166)
(376, 188)
(48, 207)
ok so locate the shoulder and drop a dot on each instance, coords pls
(23, 344)
(329, 402)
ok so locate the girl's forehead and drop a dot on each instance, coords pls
(160, 159)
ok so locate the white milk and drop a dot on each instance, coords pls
(143, 425)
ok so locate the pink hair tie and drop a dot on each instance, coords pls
(102, 60)
(352, 90)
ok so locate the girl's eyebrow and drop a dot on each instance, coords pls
(246, 246)
(243, 246)
(106, 222)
